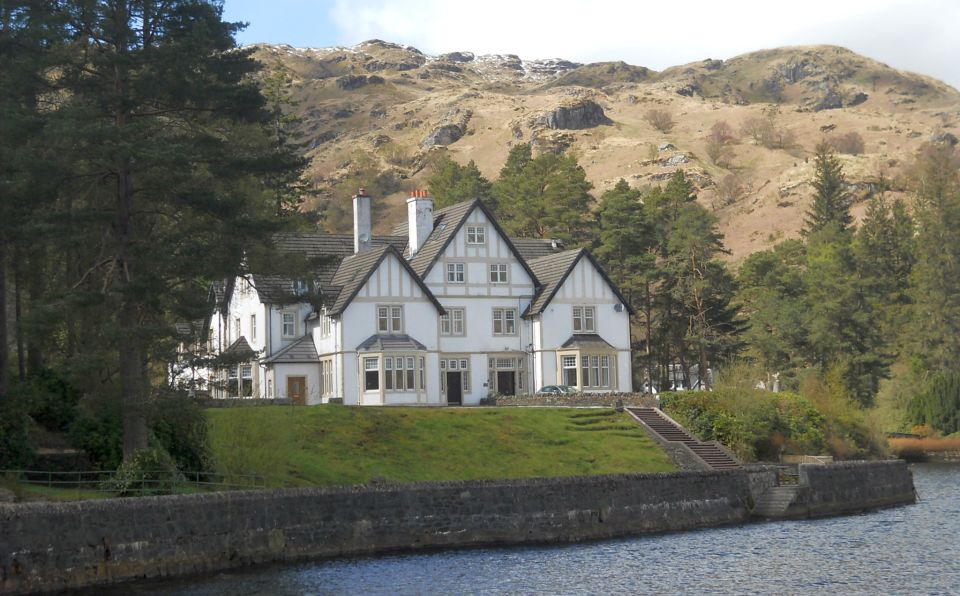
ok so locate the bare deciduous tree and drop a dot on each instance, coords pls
(659, 119)
(850, 143)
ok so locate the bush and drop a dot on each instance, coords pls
(757, 425)
(98, 431)
(15, 448)
(49, 400)
(179, 426)
(659, 119)
(850, 143)
(152, 471)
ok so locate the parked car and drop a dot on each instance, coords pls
(556, 390)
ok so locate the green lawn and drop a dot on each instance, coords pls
(330, 445)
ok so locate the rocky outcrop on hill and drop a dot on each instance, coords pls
(574, 115)
(449, 129)
(351, 82)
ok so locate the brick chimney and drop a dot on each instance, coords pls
(362, 238)
(419, 219)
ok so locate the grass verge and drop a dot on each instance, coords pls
(331, 445)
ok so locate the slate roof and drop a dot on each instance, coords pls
(302, 350)
(391, 343)
(534, 248)
(446, 223)
(355, 270)
(586, 340)
(240, 349)
(552, 271)
(333, 248)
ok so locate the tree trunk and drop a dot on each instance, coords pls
(18, 318)
(4, 341)
(132, 380)
(35, 290)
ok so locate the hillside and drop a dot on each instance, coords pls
(381, 108)
(343, 445)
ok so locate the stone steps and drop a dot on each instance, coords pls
(775, 501)
(715, 457)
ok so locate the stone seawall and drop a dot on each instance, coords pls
(848, 487)
(53, 546)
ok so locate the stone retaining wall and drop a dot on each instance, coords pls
(608, 400)
(55, 546)
(848, 487)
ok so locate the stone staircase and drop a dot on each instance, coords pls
(711, 454)
(775, 501)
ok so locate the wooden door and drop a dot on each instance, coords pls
(297, 390)
(454, 388)
(506, 382)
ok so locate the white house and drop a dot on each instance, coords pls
(448, 310)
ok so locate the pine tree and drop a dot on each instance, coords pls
(452, 183)
(176, 172)
(544, 197)
(935, 328)
(773, 294)
(831, 204)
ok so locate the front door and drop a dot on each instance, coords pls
(454, 388)
(297, 390)
(506, 382)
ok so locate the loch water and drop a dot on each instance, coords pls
(904, 550)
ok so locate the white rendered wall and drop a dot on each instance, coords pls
(585, 287)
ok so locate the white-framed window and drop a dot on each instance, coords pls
(568, 370)
(456, 273)
(236, 328)
(288, 321)
(240, 380)
(326, 377)
(452, 323)
(390, 318)
(589, 372)
(246, 380)
(301, 287)
(584, 318)
(595, 371)
(325, 326)
(476, 235)
(400, 373)
(499, 273)
(371, 374)
(504, 321)
(253, 327)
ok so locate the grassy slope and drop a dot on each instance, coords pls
(331, 445)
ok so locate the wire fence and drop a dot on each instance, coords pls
(106, 481)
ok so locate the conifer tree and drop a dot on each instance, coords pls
(935, 329)
(831, 204)
(452, 183)
(544, 197)
(174, 173)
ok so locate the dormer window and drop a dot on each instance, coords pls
(301, 287)
(476, 235)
